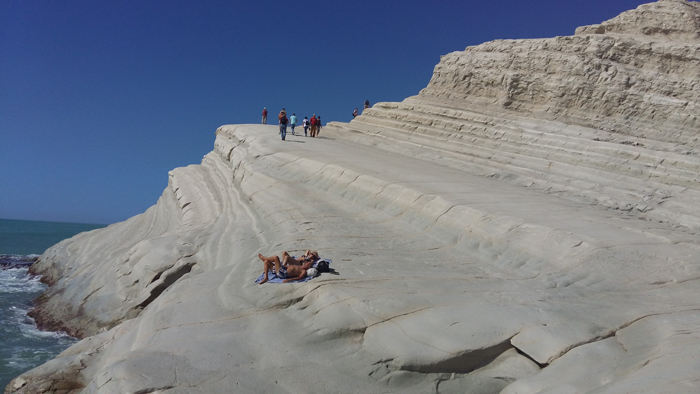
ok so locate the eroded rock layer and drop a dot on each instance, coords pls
(526, 224)
(639, 77)
(609, 116)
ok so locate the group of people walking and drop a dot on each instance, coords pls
(311, 126)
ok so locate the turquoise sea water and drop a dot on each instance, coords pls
(22, 345)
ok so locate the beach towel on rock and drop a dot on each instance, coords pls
(273, 278)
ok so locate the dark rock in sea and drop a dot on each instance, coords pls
(10, 261)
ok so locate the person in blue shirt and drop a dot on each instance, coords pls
(293, 122)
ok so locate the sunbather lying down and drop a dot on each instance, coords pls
(289, 269)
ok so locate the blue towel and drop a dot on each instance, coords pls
(273, 278)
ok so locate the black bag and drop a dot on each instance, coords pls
(322, 266)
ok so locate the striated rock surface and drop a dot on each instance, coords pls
(610, 118)
(528, 223)
(638, 75)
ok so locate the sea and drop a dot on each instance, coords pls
(22, 345)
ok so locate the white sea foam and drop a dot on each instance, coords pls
(17, 280)
(22, 345)
(28, 328)
(18, 361)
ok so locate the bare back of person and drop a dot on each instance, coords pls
(297, 272)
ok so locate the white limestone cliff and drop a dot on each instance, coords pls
(528, 223)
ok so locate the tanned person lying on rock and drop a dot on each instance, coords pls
(308, 256)
(289, 269)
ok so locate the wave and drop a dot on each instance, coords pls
(22, 345)
(18, 280)
(27, 326)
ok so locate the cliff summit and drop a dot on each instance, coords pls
(678, 20)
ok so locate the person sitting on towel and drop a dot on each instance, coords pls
(287, 270)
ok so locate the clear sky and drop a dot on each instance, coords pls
(100, 99)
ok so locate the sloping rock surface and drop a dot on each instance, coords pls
(528, 223)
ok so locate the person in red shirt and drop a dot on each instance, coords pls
(313, 125)
(264, 118)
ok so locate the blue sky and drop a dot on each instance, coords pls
(100, 99)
